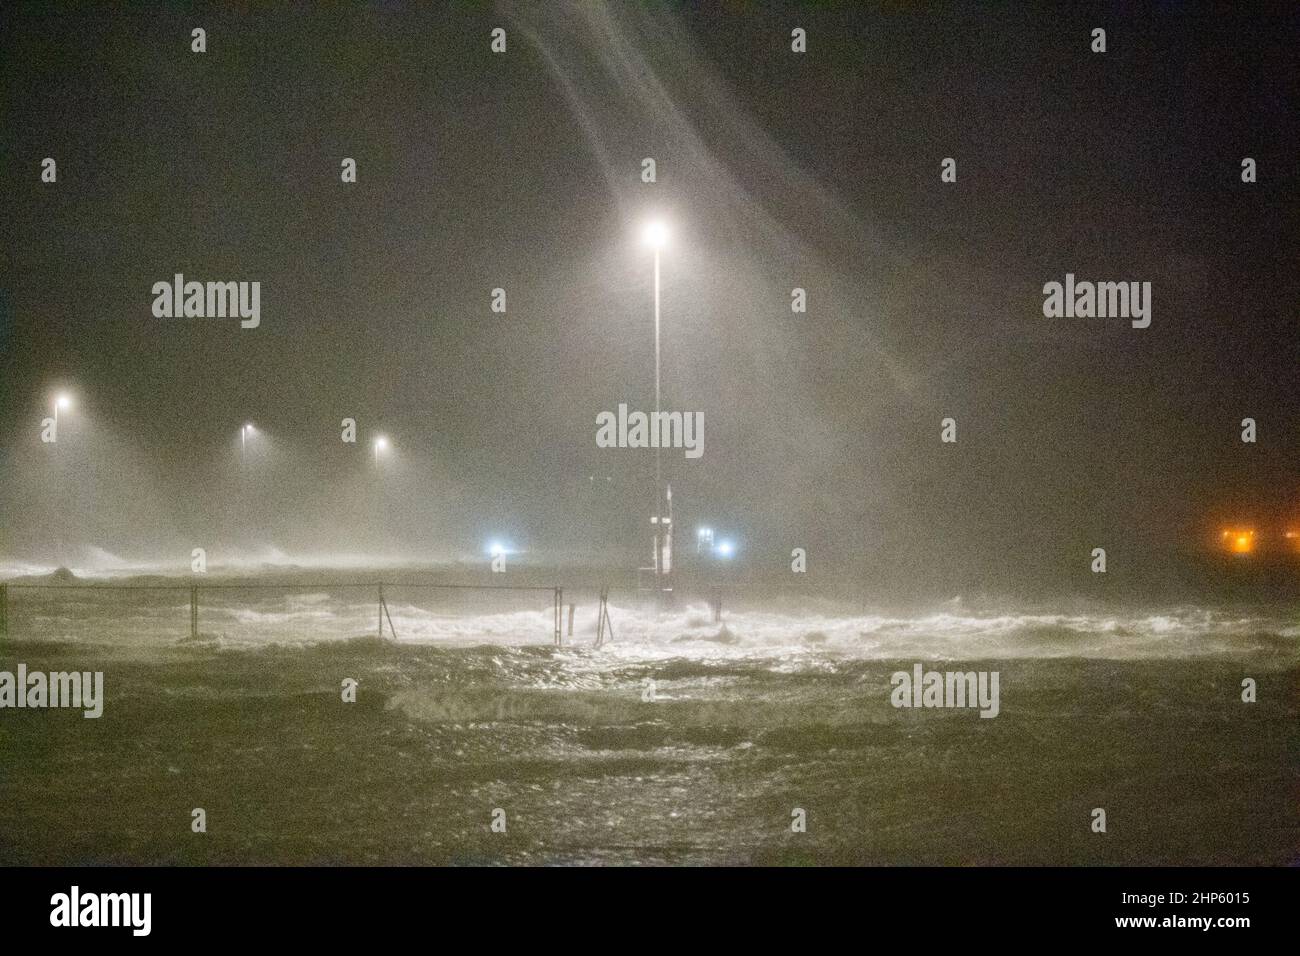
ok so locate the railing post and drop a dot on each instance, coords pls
(603, 623)
(559, 616)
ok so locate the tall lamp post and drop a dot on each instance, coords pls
(656, 236)
(61, 402)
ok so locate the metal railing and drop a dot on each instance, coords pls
(155, 606)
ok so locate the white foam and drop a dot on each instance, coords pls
(307, 617)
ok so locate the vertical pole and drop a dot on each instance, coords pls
(381, 612)
(603, 623)
(572, 607)
(194, 612)
(658, 480)
(559, 616)
(4, 610)
(656, 376)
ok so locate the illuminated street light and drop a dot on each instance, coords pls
(244, 432)
(725, 549)
(656, 235)
(63, 402)
(381, 444)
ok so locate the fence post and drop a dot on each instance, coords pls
(194, 612)
(603, 623)
(559, 616)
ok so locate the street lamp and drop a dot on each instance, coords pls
(61, 401)
(655, 235)
(381, 444)
(244, 432)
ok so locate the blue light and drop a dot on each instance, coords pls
(725, 549)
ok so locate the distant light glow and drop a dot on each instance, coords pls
(656, 235)
(63, 402)
(705, 532)
(497, 548)
(1239, 540)
(381, 443)
(725, 549)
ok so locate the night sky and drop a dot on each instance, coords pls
(775, 170)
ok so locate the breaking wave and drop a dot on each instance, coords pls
(252, 617)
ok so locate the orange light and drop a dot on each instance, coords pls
(1239, 540)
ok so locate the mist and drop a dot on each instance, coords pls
(924, 302)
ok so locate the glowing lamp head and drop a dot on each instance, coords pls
(381, 443)
(655, 235)
(62, 402)
(726, 549)
(496, 549)
(249, 429)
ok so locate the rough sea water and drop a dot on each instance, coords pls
(472, 709)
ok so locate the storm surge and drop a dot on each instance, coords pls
(682, 742)
(155, 611)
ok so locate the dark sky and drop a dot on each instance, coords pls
(775, 170)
